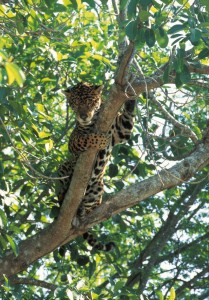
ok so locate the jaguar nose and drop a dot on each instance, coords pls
(83, 116)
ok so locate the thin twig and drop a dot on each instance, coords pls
(184, 128)
(25, 161)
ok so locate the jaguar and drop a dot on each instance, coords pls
(86, 101)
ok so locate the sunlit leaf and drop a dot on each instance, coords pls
(43, 134)
(101, 58)
(35, 128)
(14, 73)
(172, 294)
(66, 2)
(49, 145)
(40, 107)
(10, 73)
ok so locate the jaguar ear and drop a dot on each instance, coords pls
(67, 92)
(98, 88)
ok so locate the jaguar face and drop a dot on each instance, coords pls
(85, 100)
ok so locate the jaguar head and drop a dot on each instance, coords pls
(85, 100)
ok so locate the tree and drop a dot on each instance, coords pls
(155, 208)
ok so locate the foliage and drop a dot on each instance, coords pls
(162, 249)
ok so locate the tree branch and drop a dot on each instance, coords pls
(201, 84)
(141, 83)
(182, 248)
(198, 69)
(154, 248)
(31, 281)
(191, 282)
(184, 128)
(204, 295)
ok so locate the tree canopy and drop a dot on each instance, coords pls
(155, 206)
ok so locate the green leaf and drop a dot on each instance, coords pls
(178, 64)
(205, 3)
(13, 245)
(144, 15)
(185, 74)
(20, 23)
(204, 53)
(131, 30)
(92, 268)
(150, 37)
(195, 35)
(50, 3)
(166, 75)
(82, 260)
(3, 55)
(131, 10)
(140, 39)
(61, 8)
(178, 80)
(3, 92)
(176, 28)
(123, 3)
(145, 3)
(91, 3)
(3, 242)
(159, 295)
(74, 4)
(3, 219)
(167, 1)
(119, 185)
(161, 37)
(113, 170)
